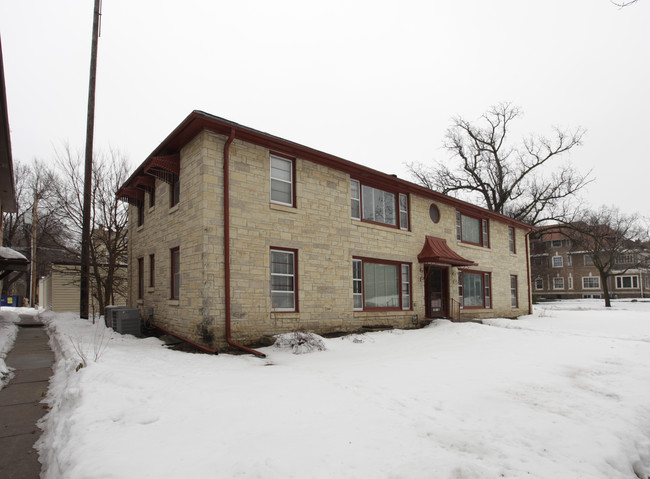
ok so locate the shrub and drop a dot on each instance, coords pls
(300, 343)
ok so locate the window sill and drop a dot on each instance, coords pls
(150, 289)
(151, 208)
(140, 228)
(477, 247)
(379, 227)
(285, 208)
(173, 209)
(173, 302)
(140, 302)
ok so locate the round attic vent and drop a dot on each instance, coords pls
(434, 213)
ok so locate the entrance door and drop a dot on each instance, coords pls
(435, 292)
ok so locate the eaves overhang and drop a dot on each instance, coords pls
(198, 121)
(7, 182)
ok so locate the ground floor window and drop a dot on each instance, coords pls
(539, 284)
(175, 255)
(558, 283)
(591, 282)
(513, 291)
(474, 289)
(381, 284)
(283, 280)
(627, 282)
(140, 278)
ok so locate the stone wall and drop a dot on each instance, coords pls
(319, 228)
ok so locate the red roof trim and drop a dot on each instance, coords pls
(145, 182)
(197, 121)
(134, 196)
(436, 250)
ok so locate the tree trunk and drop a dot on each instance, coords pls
(603, 280)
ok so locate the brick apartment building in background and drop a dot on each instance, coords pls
(559, 270)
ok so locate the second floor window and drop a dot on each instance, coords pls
(174, 191)
(558, 262)
(378, 206)
(511, 240)
(282, 184)
(472, 230)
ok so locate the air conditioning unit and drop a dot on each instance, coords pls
(127, 321)
(109, 315)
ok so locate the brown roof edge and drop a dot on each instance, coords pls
(198, 121)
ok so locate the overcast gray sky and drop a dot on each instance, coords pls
(374, 82)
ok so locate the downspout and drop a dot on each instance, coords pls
(226, 242)
(530, 286)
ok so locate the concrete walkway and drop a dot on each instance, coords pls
(20, 400)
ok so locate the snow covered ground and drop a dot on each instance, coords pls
(564, 393)
(8, 332)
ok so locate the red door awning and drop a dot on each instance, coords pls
(436, 250)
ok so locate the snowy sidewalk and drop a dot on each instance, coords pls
(20, 401)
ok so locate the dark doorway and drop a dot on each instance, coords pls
(436, 292)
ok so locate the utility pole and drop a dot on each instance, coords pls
(32, 300)
(84, 290)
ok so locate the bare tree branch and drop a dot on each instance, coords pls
(504, 178)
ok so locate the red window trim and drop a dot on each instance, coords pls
(514, 240)
(140, 278)
(295, 279)
(140, 211)
(395, 192)
(480, 220)
(152, 270)
(399, 264)
(483, 273)
(292, 159)
(516, 290)
(172, 282)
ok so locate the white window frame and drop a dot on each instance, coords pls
(483, 229)
(403, 284)
(403, 201)
(588, 260)
(514, 291)
(537, 286)
(625, 258)
(293, 275)
(486, 287)
(633, 279)
(290, 182)
(406, 286)
(357, 284)
(559, 263)
(558, 280)
(355, 201)
(590, 279)
(511, 240)
(570, 282)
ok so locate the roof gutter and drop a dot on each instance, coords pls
(528, 278)
(226, 243)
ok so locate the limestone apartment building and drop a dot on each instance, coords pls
(235, 234)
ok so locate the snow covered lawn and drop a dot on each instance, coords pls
(564, 393)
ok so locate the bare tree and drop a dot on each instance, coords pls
(506, 179)
(35, 183)
(107, 249)
(613, 240)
